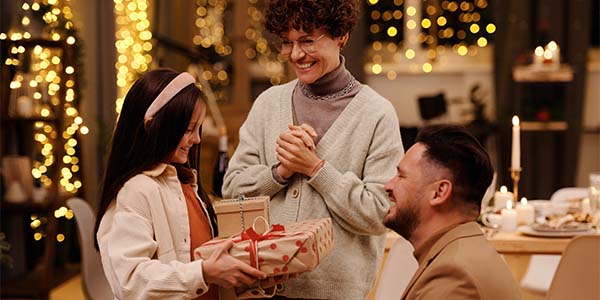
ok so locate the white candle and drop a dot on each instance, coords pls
(515, 161)
(538, 56)
(501, 197)
(555, 51)
(586, 207)
(525, 213)
(509, 217)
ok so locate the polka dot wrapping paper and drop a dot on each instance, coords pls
(292, 248)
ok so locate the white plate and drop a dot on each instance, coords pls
(526, 230)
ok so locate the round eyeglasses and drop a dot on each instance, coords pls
(307, 44)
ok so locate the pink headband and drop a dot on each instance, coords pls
(175, 86)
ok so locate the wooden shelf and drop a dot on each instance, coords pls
(544, 126)
(531, 73)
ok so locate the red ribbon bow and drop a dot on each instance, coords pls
(276, 231)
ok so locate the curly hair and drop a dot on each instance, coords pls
(337, 17)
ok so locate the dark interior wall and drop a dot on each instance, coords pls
(549, 158)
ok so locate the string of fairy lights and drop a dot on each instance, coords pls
(133, 43)
(43, 73)
(210, 36)
(260, 50)
(406, 29)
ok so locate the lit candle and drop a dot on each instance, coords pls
(538, 56)
(515, 161)
(555, 51)
(501, 197)
(525, 213)
(509, 217)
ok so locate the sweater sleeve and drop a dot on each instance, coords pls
(129, 251)
(248, 172)
(359, 204)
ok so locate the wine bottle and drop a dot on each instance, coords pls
(221, 164)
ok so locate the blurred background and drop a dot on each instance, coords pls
(67, 64)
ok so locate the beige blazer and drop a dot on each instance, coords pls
(462, 265)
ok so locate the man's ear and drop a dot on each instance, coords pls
(443, 190)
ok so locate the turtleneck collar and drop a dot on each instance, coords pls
(332, 81)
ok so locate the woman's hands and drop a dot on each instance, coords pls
(296, 151)
(224, 270)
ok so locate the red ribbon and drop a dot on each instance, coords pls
(276, 231)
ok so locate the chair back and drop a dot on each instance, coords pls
(564, 194)
(95, 285)
(397, 270)
(578, 273)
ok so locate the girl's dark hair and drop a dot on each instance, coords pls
(337, 17)
(136, 148)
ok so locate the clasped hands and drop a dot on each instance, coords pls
(296, 151)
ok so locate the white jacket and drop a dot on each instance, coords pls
(144, 240)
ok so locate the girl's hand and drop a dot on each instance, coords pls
(224, 270)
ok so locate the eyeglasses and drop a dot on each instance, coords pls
(308, 44)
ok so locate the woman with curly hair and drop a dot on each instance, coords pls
(321, 146)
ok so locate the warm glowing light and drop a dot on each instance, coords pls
(410, 53)
(376, 68)
(490, 28)
(427, 67)
(515, 122)
(392, 31)
(523, 201)
(552, 46)
(462, 50)
(411, 11)
(425, 23)
(482, 42)
(441, 21)
(548, 54)
(539, 51)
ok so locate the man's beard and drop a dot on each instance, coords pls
(404, 222)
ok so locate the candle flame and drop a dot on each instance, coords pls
(552, 46)
(503, 189)
(523, 201)
(509, 204)
(515, 120)
(539, 51)
(548, 54)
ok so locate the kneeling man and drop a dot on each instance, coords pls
(436, 198)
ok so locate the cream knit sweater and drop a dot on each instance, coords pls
(361, 150)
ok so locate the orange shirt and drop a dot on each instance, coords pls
(199, 231)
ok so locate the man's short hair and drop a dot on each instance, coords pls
(455, 149)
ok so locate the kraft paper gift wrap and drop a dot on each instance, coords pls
(293, 248)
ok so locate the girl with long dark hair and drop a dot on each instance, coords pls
(153, 211)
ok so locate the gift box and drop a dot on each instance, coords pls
(236, 215)
(293, 248)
